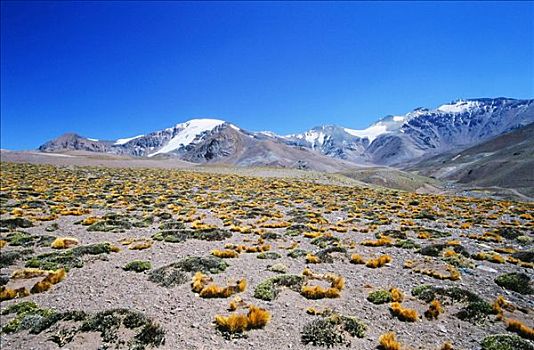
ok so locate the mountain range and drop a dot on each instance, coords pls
(397, 141)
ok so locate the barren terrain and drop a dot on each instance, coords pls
(117, 256)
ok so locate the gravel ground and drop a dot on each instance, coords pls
(102, 284)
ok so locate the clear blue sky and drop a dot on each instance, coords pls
(109, 70)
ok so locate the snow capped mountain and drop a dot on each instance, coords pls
(185, 133)
(392, 140)
(456, 125)
(330, 140)
(126, 140)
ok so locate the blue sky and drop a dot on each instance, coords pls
(109, 70)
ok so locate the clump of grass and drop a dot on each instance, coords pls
(40, 287)
(28, 272)
(520, 328)
(356, 259)
(382, 241)
(388, 341)
(378, 262)
(56, 276)
(380, 297)
(8, 293)
(325, 255)
(278, 268)
(403, 314)
(312, 259)
(214, 291)
(225, 254)
(52, 278)
(256, 318)
(208, 264)
(517, 282)
(168, 276)
(270, 288)
(137, 266)
(236, 303)
(22, 306)
(406, 244)
(64, 242)
(325, 241)
(140, 245)
(203, 285)
(435, 250)
(296, 253)
(69, 258)
(476, 309)
(10, 257)
(447, 346)
(235, 323)
(434, 310)
(505, 342)
(396, 295)
(269, 255)
(19, 238)
(318, 292)
(492, 257)
(332, 330)
(29, 316)
(13, 223)
(337, 283)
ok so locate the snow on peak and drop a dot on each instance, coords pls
(188, 132)
(459, 106)
(371, 132)
(314, 137)
(126, 140)
(267, 133)
(90, 139)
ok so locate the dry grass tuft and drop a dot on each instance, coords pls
(235, 323)
(41, 286)
(8, 293)
(56, 276)
(312, 259)
(396, 295)
(356, 259)
(388, 341)
(64, 242)
(403, 314)
(382, 241)
(520, 328)
(256, 318)
(434, 309)
(199, 281)
(447, 346)
(28, 272)
(378, 262)
(225, 254)
(140, 245)
(318, 292)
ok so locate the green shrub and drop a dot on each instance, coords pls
(269, 289)
(269, 255)
(332, 330)
(518, 282)
(380, 297)
(138, 266)
(506, 342)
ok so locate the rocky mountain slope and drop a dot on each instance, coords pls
(504, 161)
(393, 140)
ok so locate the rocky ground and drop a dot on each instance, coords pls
(287, 235)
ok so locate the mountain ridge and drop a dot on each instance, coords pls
(392, 140)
